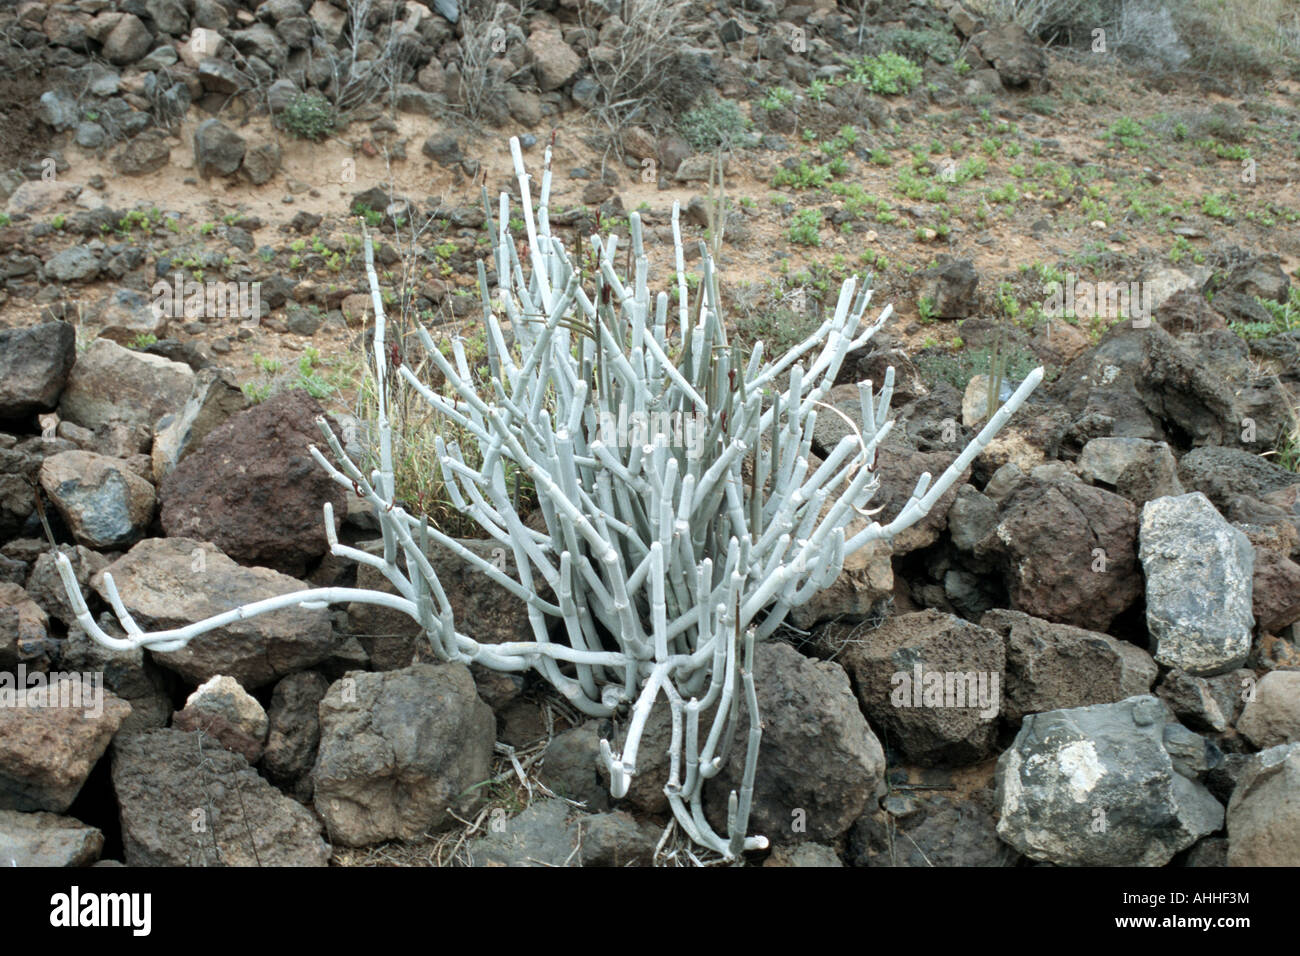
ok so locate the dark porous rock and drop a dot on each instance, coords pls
(1190, 391)
(294, 731)
(1275, 597)
(173, 582)
(1056, 666)
(569, 766)
(400, 751)
(898, 469)
(552, 833)
(930, 683)
(34, 367)
(184, 801)
(52, 732)
(1067, 552)
(930, 829)
(1222, 473)
(253, 489)
(1099, 786)
(819, 762)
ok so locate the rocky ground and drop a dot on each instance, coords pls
(1121, 567)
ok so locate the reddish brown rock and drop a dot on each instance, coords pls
(1275, 597)
(1067, 551)
(253, 489)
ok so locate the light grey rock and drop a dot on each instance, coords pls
(1199, 571)
(551, 833)
(47, 839)
(112, 383)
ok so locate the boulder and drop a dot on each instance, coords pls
(570, 766)
(551, 833)
(819, 762)
(253, 488)
(1198, 585)
(125, 315)
(1014, 53)
(951, 288)
(1264, 814)
(1275, 591)
(929, 829)
(1066, 551)
(1098, 786)
(24, 626)
(172, 582)
(1221, 474)
(128, 674)
(1272, 716)
(218, 149)
(215, 397)
(104, 504)
(127, 41)
(34, 367)
(184, 801)
(931, 683)
(229, 714)
(554, 62)
(47, 839)
(142, 154)
(1209, 704)
(111, 383)
(400, 751)
(294, 731)
(1056, 666)
(53, 729)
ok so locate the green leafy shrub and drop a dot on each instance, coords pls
(717, 124)
(309, 116)
(889, 74)
(805, 230)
